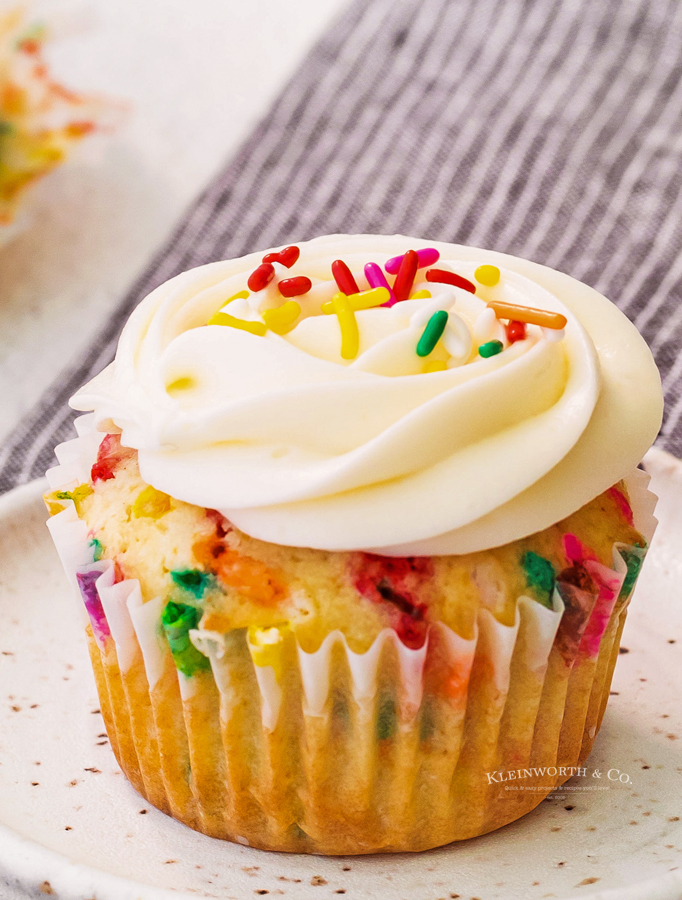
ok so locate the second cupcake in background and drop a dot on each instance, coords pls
(355, 536)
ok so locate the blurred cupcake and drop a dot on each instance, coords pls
(355, 525)
(40, 120)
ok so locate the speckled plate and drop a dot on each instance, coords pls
(71, 826)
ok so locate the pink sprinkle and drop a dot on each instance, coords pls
(575, 550)
(427, 257)
(622, 502)
(376, 278)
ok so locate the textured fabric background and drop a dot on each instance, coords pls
(550, 129)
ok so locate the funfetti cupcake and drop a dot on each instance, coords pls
(355, 525)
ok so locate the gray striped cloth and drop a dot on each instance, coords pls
(550, 129)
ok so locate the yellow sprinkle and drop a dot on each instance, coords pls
(435, 365)
(421, 295)
(151, 504)
(350, 336)
(240, 295)
(363, 300)
(56, 500)
(54, 504)
(267, 645)
(487, 275)
(281, 320)
(221, 318)
(180, 384)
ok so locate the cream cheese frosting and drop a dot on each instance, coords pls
(387, 450)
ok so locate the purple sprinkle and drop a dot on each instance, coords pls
(427, 257)
(376, 278)
(86, 583)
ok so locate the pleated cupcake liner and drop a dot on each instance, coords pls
(337, 752)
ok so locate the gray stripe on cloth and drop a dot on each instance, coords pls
(550, 129)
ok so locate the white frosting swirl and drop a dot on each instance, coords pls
(298, 446)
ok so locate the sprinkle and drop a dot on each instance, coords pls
(432, 333)
(490, 348)
(286, 257)
(350, 336)
(443, 277)
(427, 257)
(193, 580)
(186, 383)
(421, 295)
(240, 295)
(487, 275)
(265, 645)
(516, 331)
(261, 277)
(376, 278)
(435, 365)
(528, 314)
(281, 319)
(539, 576)
(633, 556)
(362, 300)
(344, 278)
(622, 503)
(221, 318)
(178, 620)
(405, 277)
(54, 506)
(87, 584)
(294, 287)
(151, 504)
(97, 549)
(77, 495)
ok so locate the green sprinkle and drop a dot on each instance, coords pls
(386, 720)
(539, 577)
(6, 128)
(193, 580)
(633, 556)
(491, 348)
(97, 550)
(177, 620)
(434, 329)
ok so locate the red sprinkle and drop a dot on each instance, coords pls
(294, 287)
(443, 277)
(261, 277)
(405, 277)
(395, 582)
(109, 456)
(344, 278)
(287, 257)
(516, 331)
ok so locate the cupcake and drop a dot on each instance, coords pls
(354, 525)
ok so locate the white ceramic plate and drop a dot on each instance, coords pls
(70, 825)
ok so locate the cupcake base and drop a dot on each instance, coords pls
(360, 774)
(335, 752)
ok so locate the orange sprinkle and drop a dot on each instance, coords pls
(250, 577)
(528, 314)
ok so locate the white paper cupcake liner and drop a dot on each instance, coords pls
(341, 752)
